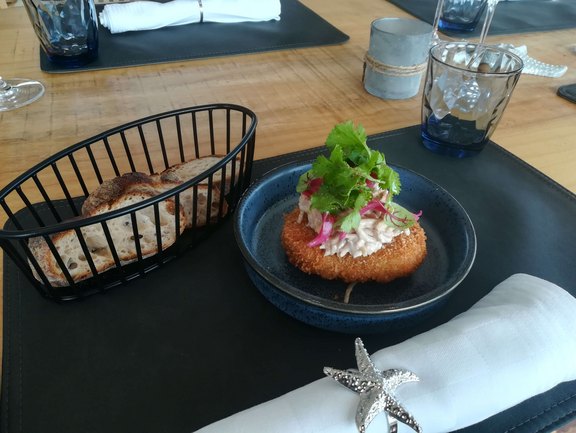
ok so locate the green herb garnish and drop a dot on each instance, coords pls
(343, 183)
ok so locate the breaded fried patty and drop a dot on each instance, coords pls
(398, 259)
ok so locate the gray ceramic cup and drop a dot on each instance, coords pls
(396, 58)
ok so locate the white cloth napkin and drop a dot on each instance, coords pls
(516, 342)
(149, 15)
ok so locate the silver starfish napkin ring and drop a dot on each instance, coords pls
(376, 389)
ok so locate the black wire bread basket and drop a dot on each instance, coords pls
(116, 206)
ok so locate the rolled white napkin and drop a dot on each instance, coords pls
(516, 342)
(150, 15)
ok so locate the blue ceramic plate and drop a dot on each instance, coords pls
(370, 307)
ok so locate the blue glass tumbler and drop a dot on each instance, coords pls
(67, 30)
(461, 15)
(466, 91)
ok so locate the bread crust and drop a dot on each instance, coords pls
(190, 169)
(109, 191)
(398, 259)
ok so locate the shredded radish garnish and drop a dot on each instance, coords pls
(377, 205)
(325, 230)
(373, 205)
(313, 186)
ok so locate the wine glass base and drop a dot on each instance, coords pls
(19, 92)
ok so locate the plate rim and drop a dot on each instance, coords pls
(316, 301)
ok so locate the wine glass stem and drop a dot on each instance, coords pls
(4, 86)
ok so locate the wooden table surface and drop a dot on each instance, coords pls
(298, 94)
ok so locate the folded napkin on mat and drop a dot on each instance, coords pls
(149, 15)
(516, 342)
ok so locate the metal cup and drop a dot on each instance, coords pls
(67, 30)
(466, 91)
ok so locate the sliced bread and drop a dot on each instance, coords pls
(116, 193)
(123, 191)
(196, 210)
(180, 173)
(70, 251)
(190, 169)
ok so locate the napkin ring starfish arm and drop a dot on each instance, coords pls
(376, 389)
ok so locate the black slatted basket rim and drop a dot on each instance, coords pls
(19, 234)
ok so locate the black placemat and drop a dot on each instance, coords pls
(298, 27)
(516, 16)
(195, 342)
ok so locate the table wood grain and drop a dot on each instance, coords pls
(297, 94)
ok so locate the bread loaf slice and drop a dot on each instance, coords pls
(70, 251)
(123, 191)
(180, 173)
(196, 210)
(190, 169)
(113, 194)
(102, 199)
(122, 230)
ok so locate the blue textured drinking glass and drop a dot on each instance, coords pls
(67, 30)
(461, 15)
(466, 90)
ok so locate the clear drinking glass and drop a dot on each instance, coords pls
(466, 91)
(17, 92)
(67, 29)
